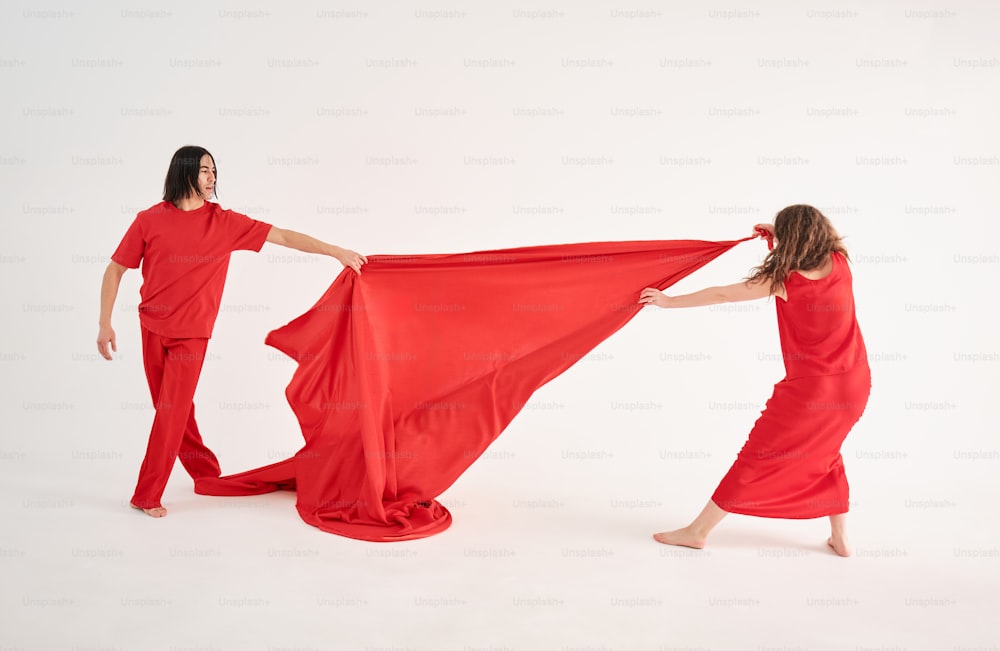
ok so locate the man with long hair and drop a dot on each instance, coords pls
(184, 244)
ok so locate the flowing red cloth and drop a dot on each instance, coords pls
(790, 466)
(409, 371)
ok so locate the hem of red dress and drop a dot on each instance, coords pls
(758, 514)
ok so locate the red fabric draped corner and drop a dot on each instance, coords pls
(408, 372)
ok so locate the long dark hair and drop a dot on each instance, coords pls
(805, 239)
(182, 175)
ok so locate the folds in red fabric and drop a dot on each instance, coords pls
(407, 373)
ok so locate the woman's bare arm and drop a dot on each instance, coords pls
(743, 291)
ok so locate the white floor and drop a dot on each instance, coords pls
(547, 551)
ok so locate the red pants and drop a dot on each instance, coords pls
(172, 370)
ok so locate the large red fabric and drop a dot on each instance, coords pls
(185, 257)
(408, 372)
(790, 466)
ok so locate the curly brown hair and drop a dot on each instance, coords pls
(804, 239)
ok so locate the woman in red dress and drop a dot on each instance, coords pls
(790, 466)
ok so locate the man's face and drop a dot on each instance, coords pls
(206, 177)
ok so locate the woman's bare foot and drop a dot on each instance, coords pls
(839, 545)
(695, 534)
(155, 512)
(838, 535)
(681, 537)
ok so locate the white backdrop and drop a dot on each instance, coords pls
(410, 128)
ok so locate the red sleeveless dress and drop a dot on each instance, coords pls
(790, 466)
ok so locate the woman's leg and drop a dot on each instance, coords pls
(838, 534)
(694, 534)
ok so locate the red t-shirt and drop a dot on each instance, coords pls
(185, 256)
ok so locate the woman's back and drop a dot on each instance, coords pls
(817, 324)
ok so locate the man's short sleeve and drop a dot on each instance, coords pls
(132, 247)
(246, 234)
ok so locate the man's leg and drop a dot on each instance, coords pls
(173, 367)
(197, 459)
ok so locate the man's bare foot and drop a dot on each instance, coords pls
(682, 537)
(155, 512)
(839, 545)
